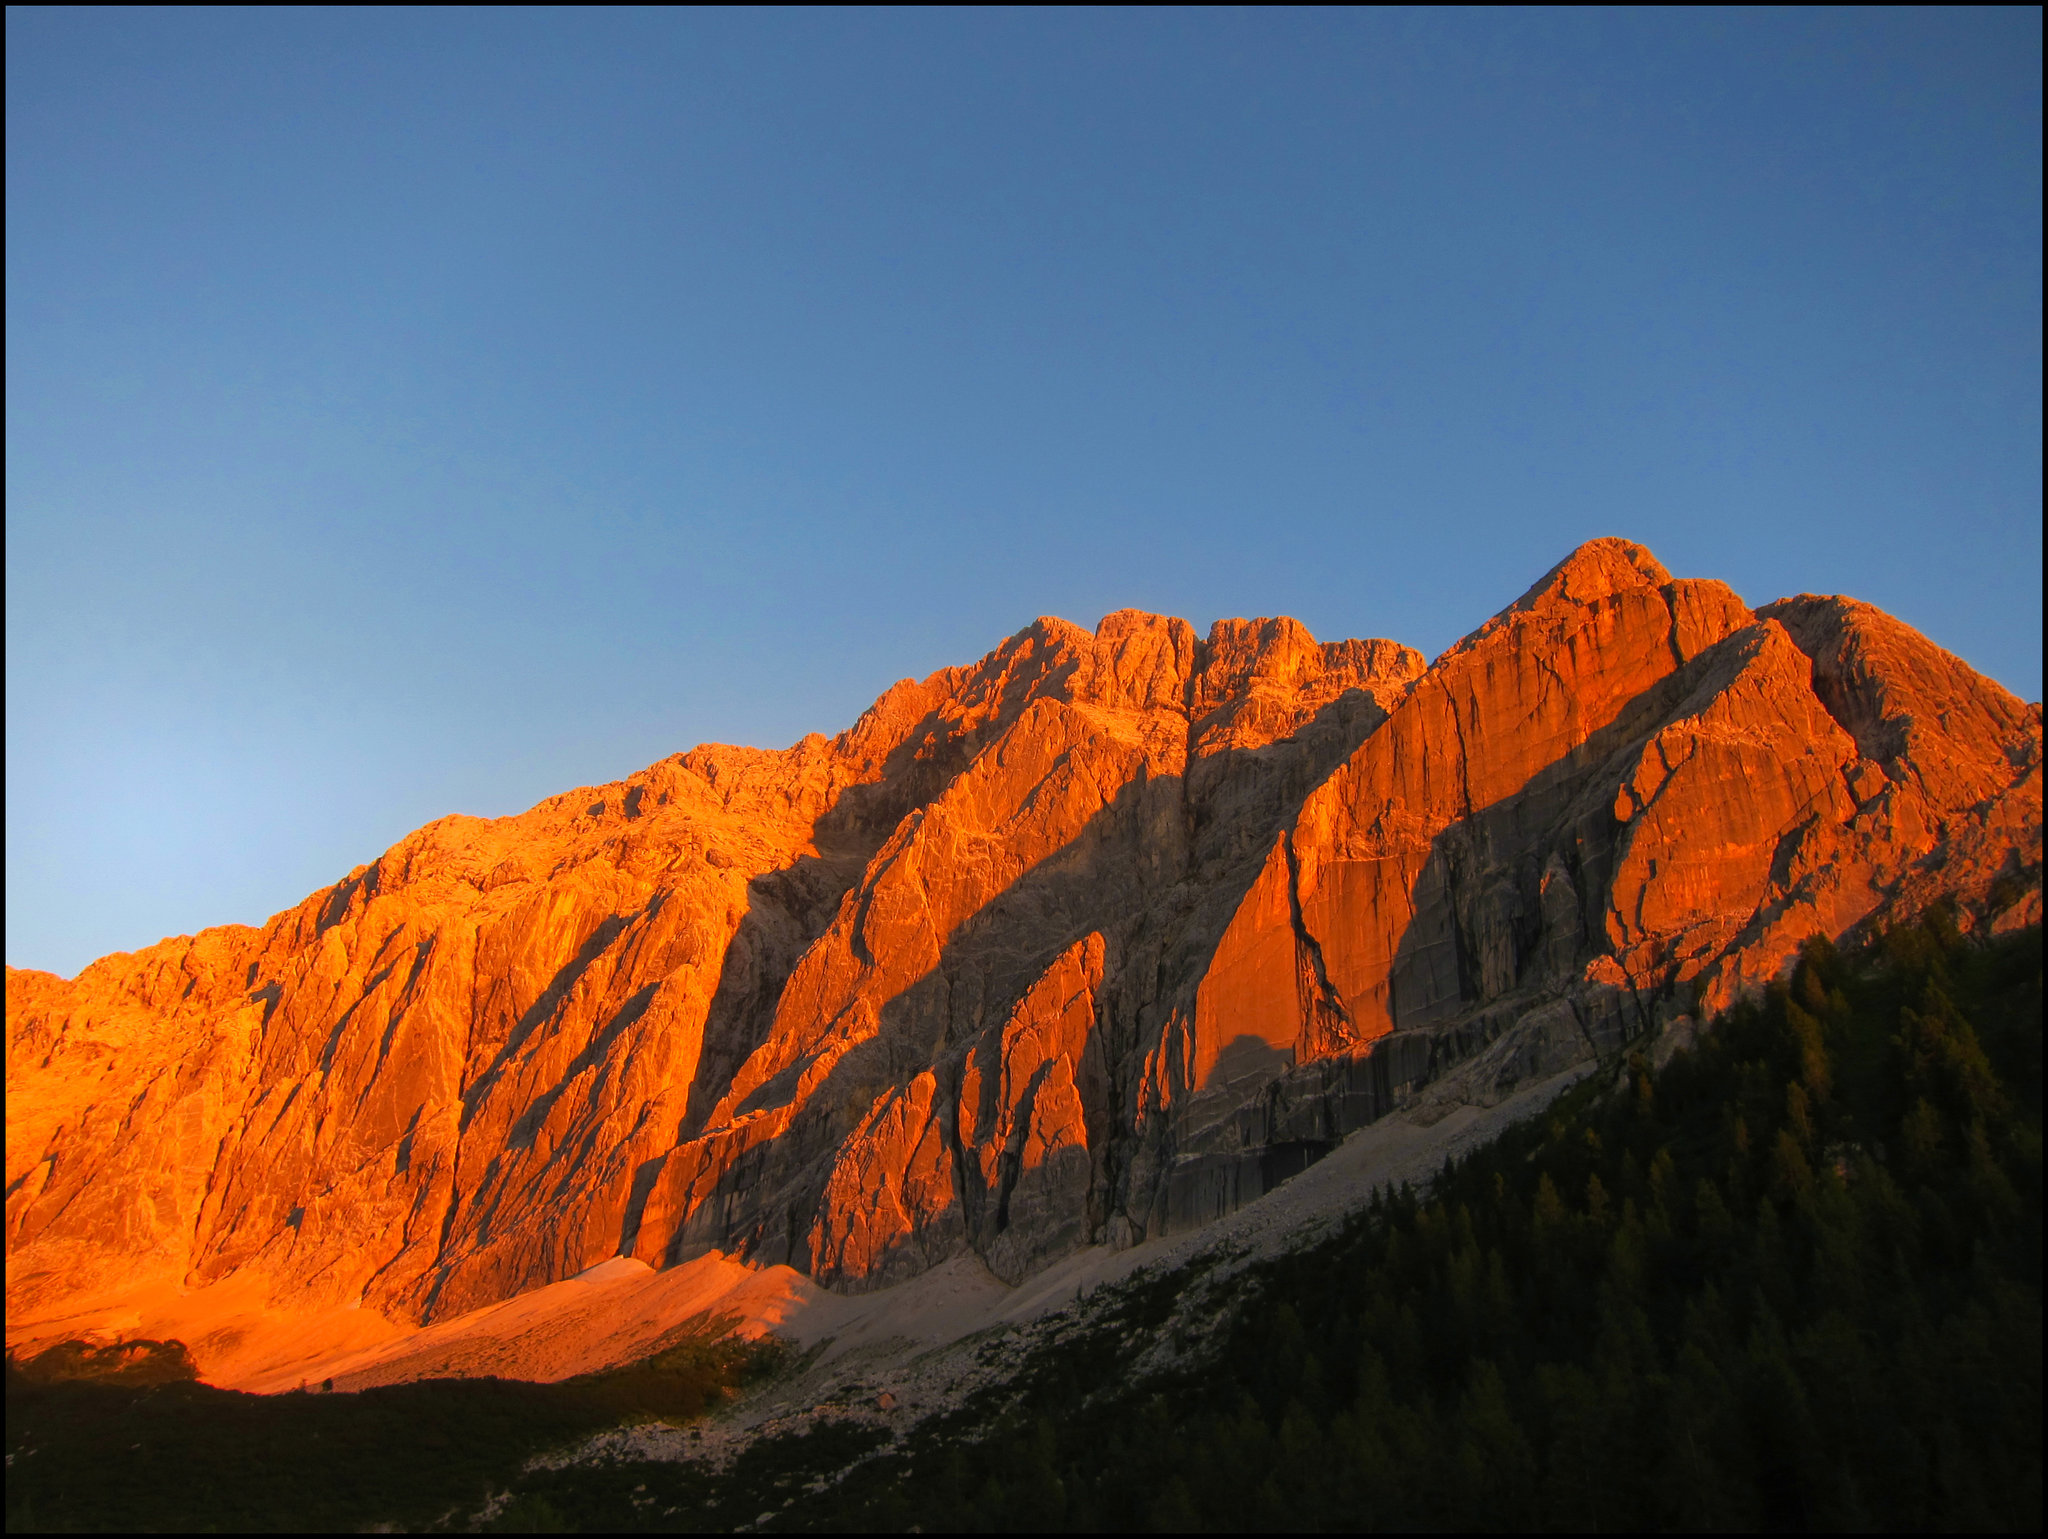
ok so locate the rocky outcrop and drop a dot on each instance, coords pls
(1099, 937)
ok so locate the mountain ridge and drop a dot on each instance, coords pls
(1090, 940)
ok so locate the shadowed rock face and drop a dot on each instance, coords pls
(1092, 939)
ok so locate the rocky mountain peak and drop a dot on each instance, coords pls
(1097, 937)
(1598, 569)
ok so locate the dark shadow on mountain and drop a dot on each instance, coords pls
(644, 1176)
(1479, 936)
(1248, 1058)
(791, 907)
(594, 1054)
(1112, 877)
(593, 947)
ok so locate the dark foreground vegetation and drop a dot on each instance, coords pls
(113, 1438)
(1793, 1281)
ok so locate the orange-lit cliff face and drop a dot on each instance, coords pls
(1084, 942)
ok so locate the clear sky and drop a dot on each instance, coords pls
(414, 411)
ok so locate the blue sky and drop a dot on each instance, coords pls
(414, 411)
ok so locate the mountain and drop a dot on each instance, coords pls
(1092, 941)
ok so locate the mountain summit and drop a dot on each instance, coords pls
(1093, 940)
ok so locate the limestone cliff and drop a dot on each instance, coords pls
(1098, 937)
